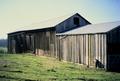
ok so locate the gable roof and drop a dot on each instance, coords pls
(50, 22)
(94, 28)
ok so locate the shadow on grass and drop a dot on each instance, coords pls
(72, 79)
(51, 70)
(15, 78)
(51, 79)
(12, 71)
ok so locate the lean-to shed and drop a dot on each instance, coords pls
(96, 45)
(39, 41)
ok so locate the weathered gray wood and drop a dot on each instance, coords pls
(83, 49)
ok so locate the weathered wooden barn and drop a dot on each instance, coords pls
(95, 45)
(40, 39)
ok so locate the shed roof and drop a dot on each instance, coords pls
(33, 31)
(94, 28)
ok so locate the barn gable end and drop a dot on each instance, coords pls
(70, 23)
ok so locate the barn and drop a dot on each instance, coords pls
(40, 41)
(96, 45)
(40, 38)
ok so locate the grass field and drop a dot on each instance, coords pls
(3, 50)
(27, 67)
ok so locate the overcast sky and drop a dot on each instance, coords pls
(15, 14)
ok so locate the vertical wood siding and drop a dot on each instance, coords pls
(17, 43)
(45, 43)
(83, 49)
(41, 42)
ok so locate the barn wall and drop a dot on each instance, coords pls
(113, 49)
(83, 49)
(17, 43)
(29, 42)
(69, 24)
(41, 41)
(45, 43)
(21, 43)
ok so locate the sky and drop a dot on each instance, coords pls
(15, 14)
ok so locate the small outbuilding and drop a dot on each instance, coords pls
(96, 45)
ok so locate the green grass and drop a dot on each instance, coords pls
(27, 67)
(3, 50)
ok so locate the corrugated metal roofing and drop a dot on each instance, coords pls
(94, 28)
(48, 23)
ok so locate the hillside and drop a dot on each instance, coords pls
(27, 67)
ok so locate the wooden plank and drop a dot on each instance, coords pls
(79, 43)
(105, 53)
(70, 47)
(86, 49)
(77, 49)
(81, 48)
(89, 50)
(102, 47)
(64, 50)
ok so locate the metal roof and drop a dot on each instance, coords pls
(94, 28)
(48, 23)
(33, 31)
